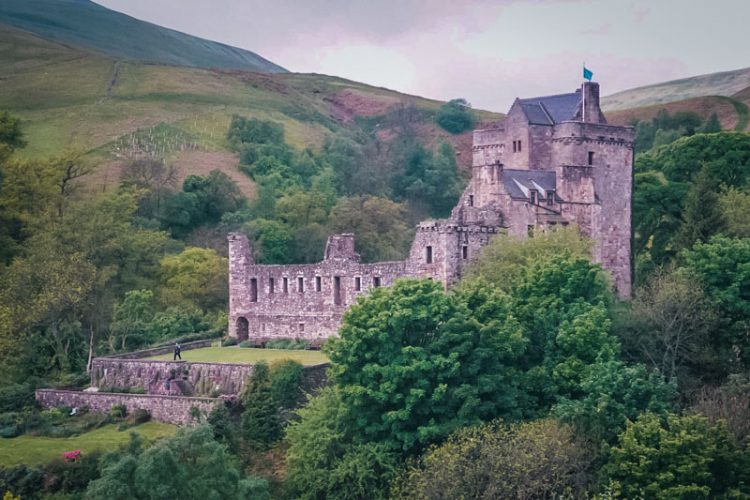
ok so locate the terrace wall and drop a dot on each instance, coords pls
(170, 409)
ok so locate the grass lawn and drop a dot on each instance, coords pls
(247, 355)
(32, 450)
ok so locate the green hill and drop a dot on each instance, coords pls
(68, 97)
(82, 23)
(725, 83)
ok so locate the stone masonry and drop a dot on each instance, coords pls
(553, 161)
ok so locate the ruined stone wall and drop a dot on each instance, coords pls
(170, 377)
(170, 409)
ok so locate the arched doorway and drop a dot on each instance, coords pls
(242, 329)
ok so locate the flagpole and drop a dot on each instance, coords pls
(583, 94)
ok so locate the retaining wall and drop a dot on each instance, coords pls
(170, 409)
(158, 351)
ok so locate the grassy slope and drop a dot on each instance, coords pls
(85, 24)
(248, 355)
(725, 83)
(33, 450)
(70, 98)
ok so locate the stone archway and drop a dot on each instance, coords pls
(242, 329)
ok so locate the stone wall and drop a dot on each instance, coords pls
(170, 377)
(170, 409)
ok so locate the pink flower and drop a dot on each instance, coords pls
(71, 455)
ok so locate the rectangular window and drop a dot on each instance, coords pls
(253, 290)
(519, 146)
(550, 197)
(301, 327)
(337, 290)
(471, 200)
(515, 148)
(464, 252)
(591, 157)
(301, 284)
(286, 285)
(270, 285)
(428, 254)
(357, 284)
(533, 195)
(376, 281)
(317, 284)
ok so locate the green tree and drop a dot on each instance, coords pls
(131, 320)
(414, 364)
(722, 268)
(196, 277)
(261, 423)
(188, 465)
(702, 216)
(713, 125)
(323, 461)
(380, 226)
(613, 394)
(540, 459)
(735, 205)
(676, 457)
(455, 116)
(271, 241)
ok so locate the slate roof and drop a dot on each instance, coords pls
(518, 181)
(552, 109)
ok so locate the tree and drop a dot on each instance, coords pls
(131, 320)
(271, 240)
(701, 216)
(380, 226)
(722, 267)
(324, 462)
(11, 134)
(540, 459)
(455, 116)
(261, 423)
(669, 326)
(413, 364)
(613, 394)
(189, 465)
(713, 125)
(503, 262)
(196, 277)
(735, 205)
(675, 457)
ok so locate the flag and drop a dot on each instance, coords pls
(587, 73)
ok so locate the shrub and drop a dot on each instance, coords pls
(246, 343)
(118, 411)
(72, 476)
(287, 344)
(286, 381)
(16, 396)
(228, 341)
(22, 480)
(455, 116)
(138, 417)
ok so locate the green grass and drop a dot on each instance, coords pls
(247, 355)
(32, 450)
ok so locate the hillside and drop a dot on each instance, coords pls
(725, 83)
(67, 97)
(84, 24)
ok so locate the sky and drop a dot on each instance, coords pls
(487, 51)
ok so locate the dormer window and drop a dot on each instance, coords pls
(533, 196)
(550, 197)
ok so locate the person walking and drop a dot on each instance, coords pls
(177, 350)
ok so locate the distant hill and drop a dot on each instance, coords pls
(68, 97)
(85, 24)
(726, 83)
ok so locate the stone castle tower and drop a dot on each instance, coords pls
(553, 161)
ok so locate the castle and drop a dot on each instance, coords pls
(552, 161)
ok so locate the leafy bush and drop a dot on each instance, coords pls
(65, 476)
(286, 380)
(455, 116)
(118, 411)
(16, 396)
(229, 341)
(247, 343)
(22, 480)
(287, 344)
(139, 416)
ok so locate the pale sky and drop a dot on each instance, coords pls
(488, 51)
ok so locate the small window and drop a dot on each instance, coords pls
(533, 194)
(301, 327)
(270, 285)
(317, 284)
(550, 197)
(337, 290)
(301, 284)
(376, 281)
(591, 157)
(253, 290)
(357, 284)
(471, 200)
(464, 252)
(285, 285)
(515, 147)
(428, 254)
(519, 146)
